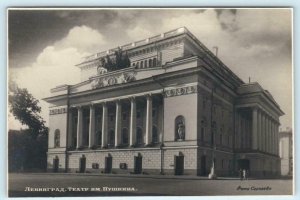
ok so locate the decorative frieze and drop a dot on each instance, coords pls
(57, 111)
(112, 80)
(181, 91)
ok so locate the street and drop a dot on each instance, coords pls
(33, 185)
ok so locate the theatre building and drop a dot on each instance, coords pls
(162, 105)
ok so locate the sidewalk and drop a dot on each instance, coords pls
(184, 177)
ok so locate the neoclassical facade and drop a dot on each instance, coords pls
(163, 105)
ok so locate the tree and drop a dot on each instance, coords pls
(25, 108)
(27, 148)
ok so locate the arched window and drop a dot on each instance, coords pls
(154, 62)
(203, 126)
(99, 137)
(111, 138)
(137, 65)
(142, 64)
(150, 62)
(179, 128)
(124, 136)
(146, 63)
(155, 135)
(139, 136)
(57, 138)
(214, 131)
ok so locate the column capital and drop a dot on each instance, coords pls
(79, 107)
(148, 96)
(255, 108)
(132, 98)
(117, 101)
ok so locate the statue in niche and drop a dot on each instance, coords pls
(57, 138)
(180, 131)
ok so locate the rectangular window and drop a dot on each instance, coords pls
(111, 118)
(223, 163)
(202, 134)
(138, 114)
(124, 116)
(153, 113)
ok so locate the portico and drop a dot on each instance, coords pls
(118, 116)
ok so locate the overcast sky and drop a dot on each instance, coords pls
(44, 45)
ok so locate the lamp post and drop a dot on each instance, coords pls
(212, 174)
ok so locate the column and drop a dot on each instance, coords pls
(259, 141)
(263, 131)
(104, 125)
(267, 134)
(149, 120)
(70, 129)
(270, 136)
(273, 136)
(92, 127)
(118, 123)
(79, 128)
(277, 139)
(254, 128)
(132, 122)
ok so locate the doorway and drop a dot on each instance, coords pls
(82, 164)
(108, 165)
(179, 165)
(203, 166)
(138, 164)
(244, 164)
(55, 164)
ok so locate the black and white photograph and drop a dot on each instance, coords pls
(150, 101)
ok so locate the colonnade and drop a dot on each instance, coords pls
(118, 120)
(265, 135)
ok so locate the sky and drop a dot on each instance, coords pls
(45, 45)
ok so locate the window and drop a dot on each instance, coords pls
(203, 104)
(99, 137)
(153, 113)
(124, 136)
(142, 64)
(154, 62)
(138, 114)
(139, 136)
(221, 139)
(137, 65)
(111, 118)
(214, 131)
(154, 135)
(150, 62)
(203, 125)
(202, 133)
(111, 138)
(223, 164)
(57, 138)
(146, 63)
(179, 128)
(124, 116)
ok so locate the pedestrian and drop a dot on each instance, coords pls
(244, 174)
(241, 174)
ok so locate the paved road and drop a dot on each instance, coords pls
(136, 186)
